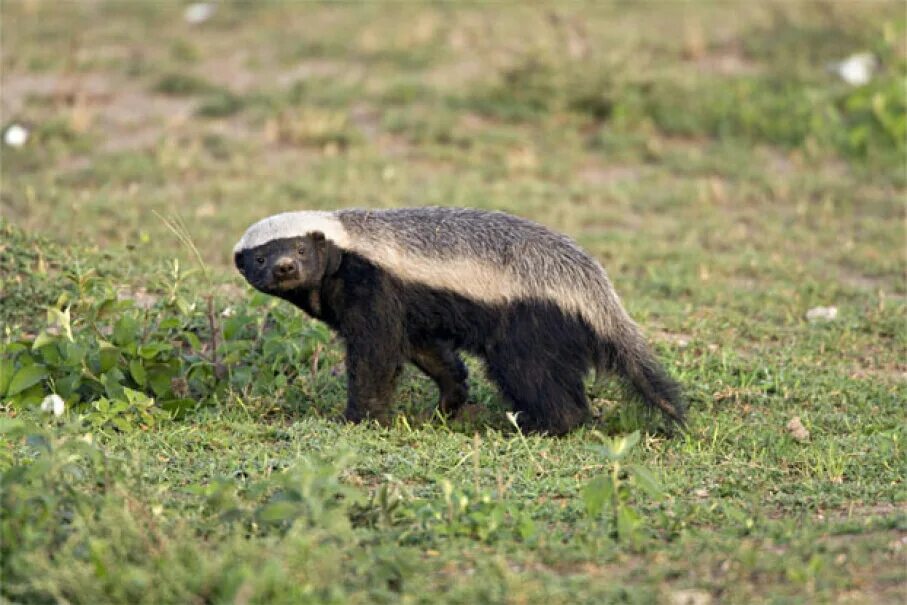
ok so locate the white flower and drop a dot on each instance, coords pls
(16, 135)
(857, 69)
(198, 12)
(53, 404)
(822, 314)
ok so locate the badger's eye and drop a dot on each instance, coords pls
(260, 260)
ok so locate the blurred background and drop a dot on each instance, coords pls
(735, 130)
(738, 168)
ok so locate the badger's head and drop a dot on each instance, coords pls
(285, 253)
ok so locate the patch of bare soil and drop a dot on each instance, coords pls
(310, 68)
(122, 113)
(599, 175)
(135, 119)
(726, 64)
(241, 73)
(862, 510)
(457, 75)
(896, 373)
(859, 281)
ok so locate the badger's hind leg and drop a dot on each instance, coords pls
(539, 360)
(550, 398)
(442, 364)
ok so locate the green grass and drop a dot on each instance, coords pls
(702, 152)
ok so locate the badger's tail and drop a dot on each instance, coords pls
(627, 354)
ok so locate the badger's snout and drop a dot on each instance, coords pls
(285, 268)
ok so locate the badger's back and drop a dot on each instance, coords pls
(488, 256)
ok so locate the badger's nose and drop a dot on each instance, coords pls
(284, 268)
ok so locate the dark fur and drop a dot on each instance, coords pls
(535, 352)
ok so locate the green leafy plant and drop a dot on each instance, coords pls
(309, 495)
(63, 477)
(875, 116)
(111, 359)
(456, 511)
(123, 365)
(478, 515)
(614, 489)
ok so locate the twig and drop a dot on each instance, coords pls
(179, 229)
(212, 323)
(181, 232)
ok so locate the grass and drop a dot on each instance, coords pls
(727, 181)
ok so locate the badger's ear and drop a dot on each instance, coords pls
(332, 254)
(332, 258)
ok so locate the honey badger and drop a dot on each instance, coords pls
(421, 284)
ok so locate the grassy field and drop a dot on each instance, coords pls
(704, 152)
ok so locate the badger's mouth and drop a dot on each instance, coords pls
(286, 284)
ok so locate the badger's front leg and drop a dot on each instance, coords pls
(374, 362)
(371, 381)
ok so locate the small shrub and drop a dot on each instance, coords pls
(614, 489)
(126, 364)
(183, 85)
(221, 104)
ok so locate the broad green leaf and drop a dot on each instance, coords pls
(526, 526)
(273, 347)
(29, 398)
(25, 378)
(113, 383)
(67, 385)
(50, 354)
(276, 512)
(596, 493)
(171, 323)
(137, 370)
(91, 382)
(621, 446)
(628, 523)
(9, 349)
(194, 343)
(178, 407)
(13, 426)
(159, 380)
(109, 355)
(233, 326)
(105, 308)
(182, 305)
(43, 339)
(646, 480)
(7, 369)
(125, 330)
(122, 424)
(241, 377)
(137, 397)
(260, 299)
(152, 349)
(62, 319)
(73, 354)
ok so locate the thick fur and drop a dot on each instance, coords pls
(421, 284)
